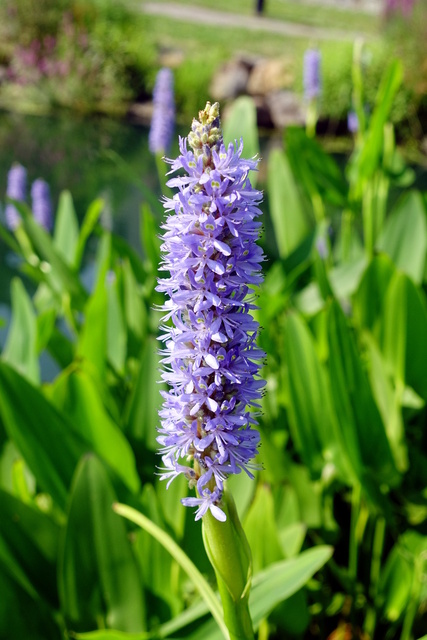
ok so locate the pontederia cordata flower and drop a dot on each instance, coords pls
(210, 357)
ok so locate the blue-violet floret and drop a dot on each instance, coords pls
(211, 360)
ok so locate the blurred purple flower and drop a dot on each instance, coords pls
(404, 6)
(352, 122)
(42, 205)
(163, 121)
(311, 74)
(16, 189)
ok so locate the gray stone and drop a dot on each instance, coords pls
(285, 109)
(229, 81)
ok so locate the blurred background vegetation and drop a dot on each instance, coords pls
(343, 310)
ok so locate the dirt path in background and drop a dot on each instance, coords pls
(252, 23)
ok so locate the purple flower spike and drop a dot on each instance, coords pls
(211, 360)
(163, 121)
(352, 122)
(16, 188)
(42, 205)
(311, 74)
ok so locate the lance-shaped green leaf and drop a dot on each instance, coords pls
(23, 616)
(31, 538)
(98, 574)
(266, 548)
(88, 225)
(44, 436)
(274, 584)
(289, 222)
(212, 602)
(312, 417)
(116, 329)
(77, 395)
(368, 160)
(241, 122)
(404, 237)
(389, 399)
(55, 270)
(92, 343)
(66, 232)
(404, 333)
(141, 413)
(368, 302)
(362, 428)
(20, 350)
(315, 169)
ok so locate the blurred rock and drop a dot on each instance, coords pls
(141, 112)
(230, 80)
(269, 75)
(284, 108)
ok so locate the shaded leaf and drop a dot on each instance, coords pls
(20, 350)
(98, 574)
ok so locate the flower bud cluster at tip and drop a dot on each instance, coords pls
(210, 358)
(206, 134)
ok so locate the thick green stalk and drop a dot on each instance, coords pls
(229, 553)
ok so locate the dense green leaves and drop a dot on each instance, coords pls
(98, 572)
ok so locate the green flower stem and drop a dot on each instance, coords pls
(311, 119)
(377, 550)
(229, 553)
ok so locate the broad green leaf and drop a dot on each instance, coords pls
(98, 574)
(20, 350)
(23, 616)
(44, 436)
(265, 549)
(315, 169)
(88, 225)
(368, 302)
(141, 414)
(116, 329)
(290, 225)
(92, 343)
(389, 401)
(76, 394)
(9, 459)
(32, 540)
(404, 237)
(343, 279)
(273, 585)
(292, 538)
(112, 634)
(66, 232)
(361, 425)
(313, 422)
(56, 272)
(241, 122)
(158, 569)
(183, 560)
(404, 333)
(368, 160)
(396, 583)
(282, 579)
(135, 313)
(150, 242)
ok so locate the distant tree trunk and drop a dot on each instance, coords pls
(259, 6)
